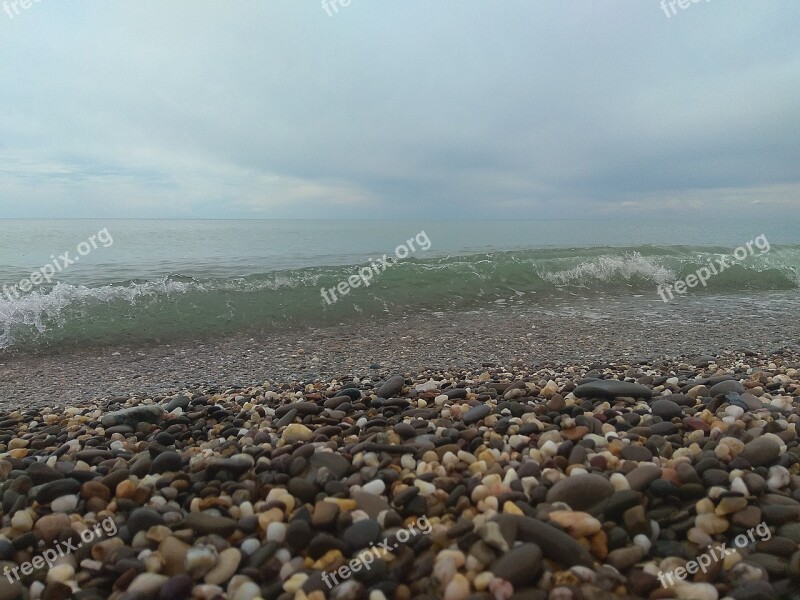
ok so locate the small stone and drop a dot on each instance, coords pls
(391, 387)
(636, 453)
(64, 504)
(608, 388)
(375, 487)
(22, 521)
(50, 526)
(178, 587)
(133, 416)
(666, 409)
(168, 461)
(142, 519)
(476, 413)
(200, 560)
(325, 514)
(725, 387)
(173, 551)
(296, 432)
(361, 533)
(226, 566)
(641, 477)
(206, 523)
(60, 573)
(147, 584)
(695, 591)
(624, 558)
(457, 589)
(578, 524)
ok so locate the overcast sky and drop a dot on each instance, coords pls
(446, 109)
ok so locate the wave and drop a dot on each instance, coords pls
(175, 305)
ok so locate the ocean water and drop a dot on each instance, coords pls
(136, 281)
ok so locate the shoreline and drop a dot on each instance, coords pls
(585, 331)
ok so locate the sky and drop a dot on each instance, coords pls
(387, 110)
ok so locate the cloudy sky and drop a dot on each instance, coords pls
(449, 109)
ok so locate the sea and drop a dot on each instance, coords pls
(105, 281)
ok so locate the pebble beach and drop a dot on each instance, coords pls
(399, 301)
(582, 481)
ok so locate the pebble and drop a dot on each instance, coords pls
(580, 491)
(666, 409)
(761, 452)
(542, 483)
(226, 566)
(296, 432)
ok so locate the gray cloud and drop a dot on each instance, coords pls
(276, 110)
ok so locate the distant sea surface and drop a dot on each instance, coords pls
(162, 280)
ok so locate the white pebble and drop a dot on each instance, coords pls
(276, 532)
(249, 546)
(620, 482)
(65, 504)
(734, 411)
(642, 541)
(375, 487)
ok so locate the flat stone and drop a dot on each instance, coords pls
(391, 387)
(149, 413)
(725, 387)
(663, 428)
(580, 491)
(623, 559)
(761, 452)
(370, 503)
(226, 468)
(179, 586)
(612, 388)
(360, 534)
(476, 413)
(637, 453)
(40, 473)
(168, 461)
(640, 477)
(666, 409)
(205, 523)
(325, 514)
(335, 463)
(554, 543)
(47, 492)
(520, 566)
(226, 566)
(142, 519)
